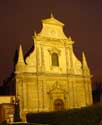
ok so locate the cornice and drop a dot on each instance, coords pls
(39, 74)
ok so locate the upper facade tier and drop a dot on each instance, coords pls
(53, 52)
(53, 21)
(52, 28)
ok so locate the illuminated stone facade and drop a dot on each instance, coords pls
(7, 108)
(51, 77)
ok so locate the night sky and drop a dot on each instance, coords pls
(20, 18)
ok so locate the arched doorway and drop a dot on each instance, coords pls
(58, 105)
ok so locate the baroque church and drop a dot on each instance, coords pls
(52, 78)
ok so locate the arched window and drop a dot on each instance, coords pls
(55, 61)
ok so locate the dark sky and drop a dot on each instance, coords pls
(20, 18)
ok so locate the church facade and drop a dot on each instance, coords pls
(51, 78)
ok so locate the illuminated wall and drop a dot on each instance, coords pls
(51, 77)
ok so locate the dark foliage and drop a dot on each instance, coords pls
(3, 123)
(84, 116)
(8, 87)
(97, 91)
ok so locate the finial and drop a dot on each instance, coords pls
(20, 55)
(34, 33)
(52, 15)
(70, 38)
(84, 60)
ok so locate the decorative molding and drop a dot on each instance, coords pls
(54, 50)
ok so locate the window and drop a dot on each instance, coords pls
(55, 61)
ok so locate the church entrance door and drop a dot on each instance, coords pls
(58, 105)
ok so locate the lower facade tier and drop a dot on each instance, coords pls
(52, 93)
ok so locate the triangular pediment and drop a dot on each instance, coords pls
(52, 28)
(57, 88)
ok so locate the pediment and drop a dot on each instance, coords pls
(57, 88)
